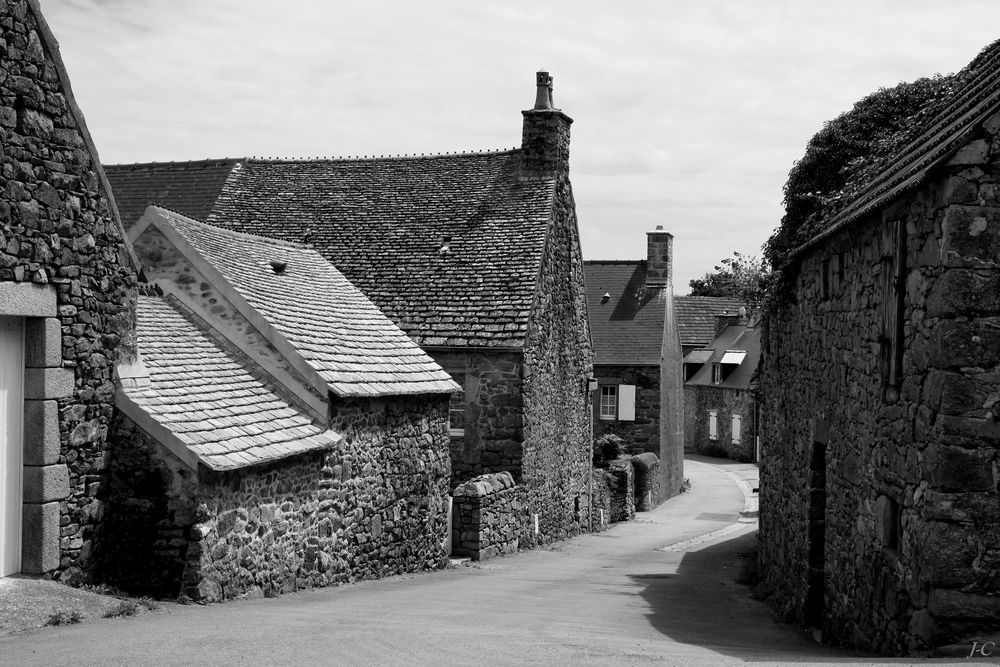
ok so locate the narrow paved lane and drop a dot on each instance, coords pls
(620, 597)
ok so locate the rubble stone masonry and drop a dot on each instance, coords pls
(375, 505)
(487, 517)
(642, 434)
(879, 486)
(58, 232)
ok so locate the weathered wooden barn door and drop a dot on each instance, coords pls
(11, 418)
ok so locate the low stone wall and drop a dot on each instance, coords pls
(621, 483)
(487, 517)
(373, 506)
(648, 486)
(601, 517)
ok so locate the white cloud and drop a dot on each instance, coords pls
(688, 114)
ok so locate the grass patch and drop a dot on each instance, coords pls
(686, 485)
(131, 607)
(70, 617)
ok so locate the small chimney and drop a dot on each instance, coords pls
(544, 135)
(659, 258)
(725, 319)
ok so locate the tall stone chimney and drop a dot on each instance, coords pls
(545, 135)
(659, 258)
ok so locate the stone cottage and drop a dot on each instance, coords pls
(720, 404)
(67, 307)
(476, 257)
(626, 303)
(276, 432)
(880, 520)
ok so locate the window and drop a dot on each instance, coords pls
(892, 307)
(737, 419)
(713, 425)
(716, 373)
(456, 410)
(609, 402)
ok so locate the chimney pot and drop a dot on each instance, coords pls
(543, 91)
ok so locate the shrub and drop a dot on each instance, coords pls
(65, 617)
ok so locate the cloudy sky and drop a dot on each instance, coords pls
(687, 114)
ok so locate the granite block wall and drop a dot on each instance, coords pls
(648, 482)
(375, 505)
(621, 489)
(558, 359)
(880, 517)
(494, 413)
(488, 518)
(643, 434)
(58, 229)
(698, 400)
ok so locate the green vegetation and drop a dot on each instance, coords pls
(741, 277)
(65, 617)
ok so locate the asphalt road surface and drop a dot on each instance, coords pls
(660, 590)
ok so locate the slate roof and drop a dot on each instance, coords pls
(329, 322)
(190, 188)
(950, 129)
(209, 400)
(383, 223)
(733, 337)
(628, 329)
(696, 316)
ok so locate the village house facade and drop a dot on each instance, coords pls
(277, 431)
(627, 306)
(475, 256)
(67, 310)
(880, 515)
(720, 403)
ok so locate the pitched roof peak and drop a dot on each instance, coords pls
(374, 158)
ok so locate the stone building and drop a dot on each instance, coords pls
(627, 306)
(880, 519)
(720, 404)
(475, 256)
(276, 431)
(67, 308)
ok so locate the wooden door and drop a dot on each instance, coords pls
(11, 418)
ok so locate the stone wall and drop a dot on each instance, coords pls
(558, 359)
(880, 517)
(643, 434)
(601, 500)
(494, 412)
(488, 518)
(648, 482)
(621, 489)
(375, 505)
(698, 400)
(149, 507)
(58, 229)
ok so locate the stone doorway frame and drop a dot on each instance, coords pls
(45, 480)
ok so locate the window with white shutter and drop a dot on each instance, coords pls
(713, 425)
(736, 429)
(626, 402)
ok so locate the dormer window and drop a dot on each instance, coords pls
(716, 373)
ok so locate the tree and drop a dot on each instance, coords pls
(742, 277)
(848, 150)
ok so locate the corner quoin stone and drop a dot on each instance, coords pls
(27, 300)
(42, 383)
(42, 342)
(40, 538)
(41, 432)
(43, 484)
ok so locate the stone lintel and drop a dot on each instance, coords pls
(44, 484)
(39, 537)
(27, 300)
(42, 342)
(41, 383)
(41, 432)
